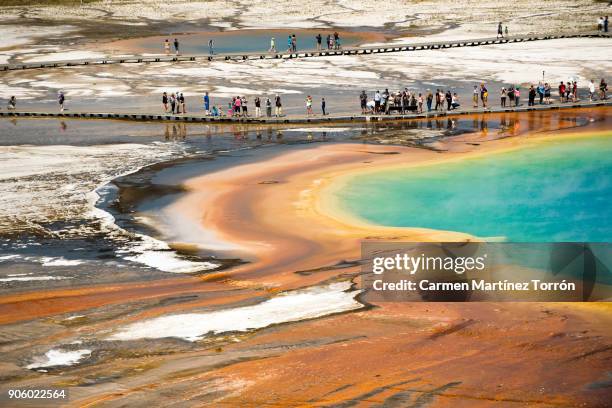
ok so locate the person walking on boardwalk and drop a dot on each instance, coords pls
(429, 100)
(165, 102)
(561, 92)
(603, 89)
(176, 46)
(591, 90)
(449, 100)
(605, 24)
(547, 91)
(600, 24)
(484, 95)
(420, 103)
(268, 107)
(308, 105)
(336, 40)
(384, 101)
(363, 102)
(211, 45)
(294, 43)
(173, 103)
(500, 32)
(511, 96)
(541, 92)
(437, 100)
(245, 106)
(323, 104)
(532, 95)
(503, 96)
(289, 44)
(61, 98)
(279, 106)
(319, 39)
(272, 45)
(377, 99)
(506, 30)
(475, 95)
(517, 96)
(257, 107)
(182, 100)
(328, 41)
(206, 103)
(167, 47)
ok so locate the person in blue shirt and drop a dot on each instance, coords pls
(206, 103)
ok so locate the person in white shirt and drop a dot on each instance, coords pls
(591, 90)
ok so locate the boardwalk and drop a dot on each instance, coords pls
(296, 119)
(306, 53)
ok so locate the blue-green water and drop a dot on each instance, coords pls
(559, 191)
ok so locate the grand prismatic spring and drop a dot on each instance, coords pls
(323, 249)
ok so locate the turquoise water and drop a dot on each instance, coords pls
(239, 41)
(560, 191)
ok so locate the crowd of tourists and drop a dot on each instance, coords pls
(237, 107)
(174, 103)
(408, 101)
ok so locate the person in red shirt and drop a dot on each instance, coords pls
(562, 92)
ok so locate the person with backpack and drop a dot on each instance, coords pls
(484, 95)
